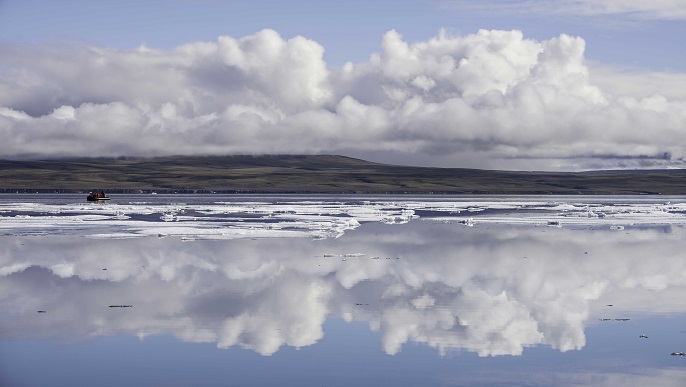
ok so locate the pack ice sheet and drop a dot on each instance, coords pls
(231, 217)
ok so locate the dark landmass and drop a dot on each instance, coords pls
(314, 174)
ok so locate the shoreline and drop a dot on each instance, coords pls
(45, 191)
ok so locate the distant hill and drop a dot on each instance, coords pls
(314, 174)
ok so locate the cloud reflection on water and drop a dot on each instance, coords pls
(491, 290)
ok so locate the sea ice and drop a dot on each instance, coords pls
(323, 218)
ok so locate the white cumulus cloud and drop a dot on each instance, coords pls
(496, 97)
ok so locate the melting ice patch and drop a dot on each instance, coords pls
(320, 218)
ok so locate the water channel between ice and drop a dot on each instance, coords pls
(463, 290)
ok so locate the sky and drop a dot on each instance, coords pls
(526, 85)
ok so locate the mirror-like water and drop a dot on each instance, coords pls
(207, 290)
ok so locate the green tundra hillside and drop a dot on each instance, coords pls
(314, 174)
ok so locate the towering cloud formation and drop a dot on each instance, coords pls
(492, 95)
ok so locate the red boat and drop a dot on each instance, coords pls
(97, 196)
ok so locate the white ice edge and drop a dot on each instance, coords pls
(317, 219)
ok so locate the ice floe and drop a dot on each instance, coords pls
(204, 217)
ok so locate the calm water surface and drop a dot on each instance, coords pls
(155, 290)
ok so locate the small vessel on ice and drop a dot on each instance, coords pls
(97, 196)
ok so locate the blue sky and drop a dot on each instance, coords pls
(349, 30)
(229, 74)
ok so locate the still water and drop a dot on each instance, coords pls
(211, 290)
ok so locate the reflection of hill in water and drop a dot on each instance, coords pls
(492, 290)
